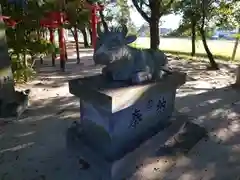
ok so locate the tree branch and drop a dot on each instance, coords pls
(104, 23)
(166, 8)
(145, 4)
(143, 14)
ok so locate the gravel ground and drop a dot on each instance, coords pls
(34, 147)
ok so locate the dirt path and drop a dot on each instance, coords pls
(34, 147)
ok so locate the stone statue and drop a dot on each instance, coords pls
(125, 63)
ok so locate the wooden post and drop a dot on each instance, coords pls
(94, 23)
(235, 45)
(61, 43)
(51, 31)
(77, 46)
(238, 76)
(237, 82)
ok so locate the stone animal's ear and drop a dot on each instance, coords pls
(130, 39)
(124, 30)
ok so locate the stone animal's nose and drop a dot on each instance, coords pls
(102, 58)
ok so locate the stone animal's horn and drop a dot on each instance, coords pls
(124, 30)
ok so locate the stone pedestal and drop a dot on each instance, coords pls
(115, 118)
(151, 160)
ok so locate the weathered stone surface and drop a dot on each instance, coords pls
(16, 107)
(124, 62)
(148, 161)
(116, 118)
(115, 96)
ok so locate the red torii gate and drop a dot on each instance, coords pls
(56, 20)
(94, 20)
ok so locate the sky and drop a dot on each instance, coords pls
(170, 21)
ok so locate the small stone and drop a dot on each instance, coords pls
(39, 84)
(155, 169)
(57, 168)
(83, 164)
(42, 177)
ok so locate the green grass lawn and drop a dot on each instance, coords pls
(222, 49)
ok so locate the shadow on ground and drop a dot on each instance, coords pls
(51, 77)
(216, 157)
(34, 147)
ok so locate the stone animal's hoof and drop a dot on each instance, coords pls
(107, 74)
(141, 77)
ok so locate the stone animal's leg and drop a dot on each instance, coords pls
(141, 77)
(160, 63)
(107, 73)
(160, 73)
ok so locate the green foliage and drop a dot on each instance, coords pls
(146, 7)
(221, 14)
(237, 36)
(78, 16)
(21, 72)
(227, 14)
(25, 41)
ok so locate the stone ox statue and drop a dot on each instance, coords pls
(125, 63)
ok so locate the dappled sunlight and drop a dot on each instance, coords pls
(34, 118)
(206, 99)
(234, 126)
(207, 160)
(209, 79)
(25, 134)
(17, 148)
(149, 169)
(176, 44)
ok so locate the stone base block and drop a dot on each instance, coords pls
(148, 161)
(117, 117)
(15, 108)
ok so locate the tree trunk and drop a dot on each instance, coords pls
(154, 35)
(66, 55)
(51, 32)
(25, 66)
(235, 45)
(77, 45)
(85, 39)
(90, 33)
(154, 25)
(38, 35)
(213, 64)
(193, 27)
(104, 23)
(237, 83)
(62, 49)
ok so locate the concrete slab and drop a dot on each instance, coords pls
(156, 154)
(34, 148)
(208, 160)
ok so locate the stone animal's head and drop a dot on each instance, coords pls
(111, 45)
